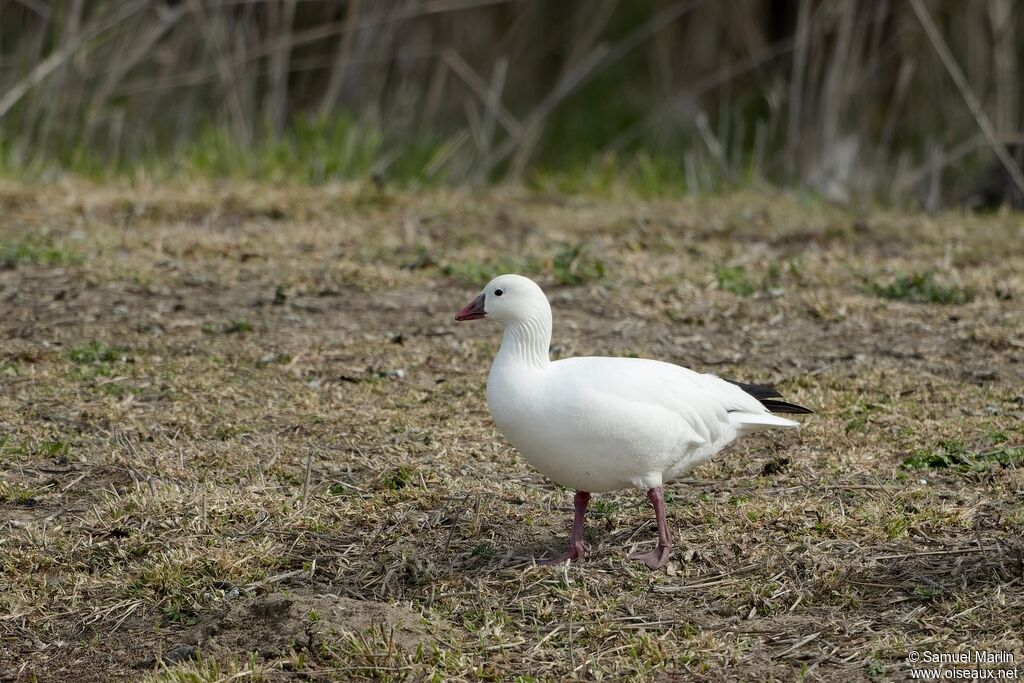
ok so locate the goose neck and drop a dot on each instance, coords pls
(527, 341)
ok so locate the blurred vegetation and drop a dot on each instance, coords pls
(921, 288)
(845, 97)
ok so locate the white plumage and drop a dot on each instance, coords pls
(598, 424)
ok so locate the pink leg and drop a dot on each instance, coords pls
(659, 556)
(576, 547)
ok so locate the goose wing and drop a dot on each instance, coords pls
(703, 404)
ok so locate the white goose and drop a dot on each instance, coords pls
(599, 424)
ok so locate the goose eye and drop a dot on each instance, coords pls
(498, 292)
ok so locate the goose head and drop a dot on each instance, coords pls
(508, 299)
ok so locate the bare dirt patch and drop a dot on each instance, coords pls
(276, 624)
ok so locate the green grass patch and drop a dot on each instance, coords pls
(100, 366)
(574, 266)
(396, 478)
(56, 449)
(483, 549)
(921, 288)
(1017, 515)
(735, 279)
(177, 611)
(238, 327)
(859, 413)
(953, 454)
(95, 352)
(16, 494)
(233, 327)
(876, 668)
(743, 282)
(603, 508)
(34, 251)
(896, 526)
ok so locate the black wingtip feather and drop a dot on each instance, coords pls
(758, 391)
(767, 395)
(784, 407)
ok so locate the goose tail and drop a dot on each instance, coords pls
(752, 422)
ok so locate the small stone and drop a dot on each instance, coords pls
(181, 653)
(231, 591)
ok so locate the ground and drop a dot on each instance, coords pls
(241, 436)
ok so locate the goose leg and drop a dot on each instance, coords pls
(576, 547)
(659, 555)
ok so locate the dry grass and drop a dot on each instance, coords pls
(239, 428)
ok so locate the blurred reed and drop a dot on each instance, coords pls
(849, 98)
